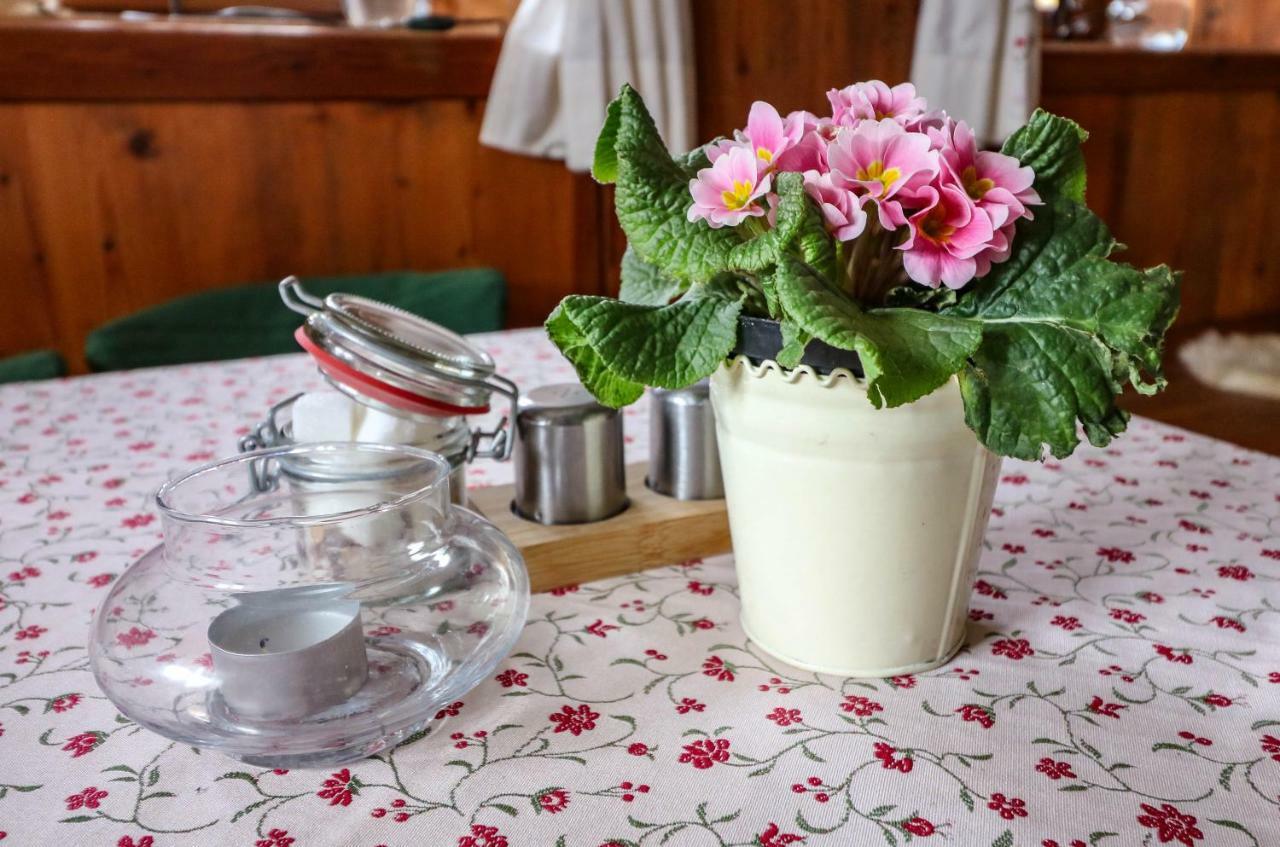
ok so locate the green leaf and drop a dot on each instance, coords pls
(1005, 839)
(645, 285)
(1063, 330)
(618, 348)
(652, 197)
(604, 168)
(1050, 146)
(794, 342)
(905, 353)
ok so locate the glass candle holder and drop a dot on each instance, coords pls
(310, 605)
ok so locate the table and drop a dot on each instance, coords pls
(1120, 684)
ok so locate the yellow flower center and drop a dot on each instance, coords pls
(882, 115)
(935, 228)
(877, 172)
(764, 155)
(976, 188)
(738, 197)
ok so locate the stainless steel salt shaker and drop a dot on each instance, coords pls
(568, 456)
(684, 461)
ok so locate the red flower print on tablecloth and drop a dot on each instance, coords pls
(86, 799)
(137, 521)
(599, 628)
(450, 711)
(700, 589)
(135, 637)
(1240, 573)
(1179, 658)
(980, 615)
(1271, 745)
(903, 681)
(986, 589)
(919, 827)
(275, 838)
(384, 631)
(574, 721)
(30, 633)
(785, 717)
(1150, 597)
(553, 801)
(1007, 807)
(980, 715)
(1016, 649)
(717, 668)
(1218, 701)
(688, 704)
(1116, 554)
(861, 706)
(101, 580)
(483, 836)
(1195, 739)
(85, 742)
(1100, 707)
(1075, 842)
(1065, 622)
(885, 753)
(1055, 770)
(1224, 622)
(512, 678)
(339, 788)
(142, 841)
(1127, 616)
(772, 836)
(563, 590)
(1013, 549)
(705, 753)
(703, 623)
(1170, 824)
(638, 749)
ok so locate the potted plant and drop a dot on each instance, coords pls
(884, 310)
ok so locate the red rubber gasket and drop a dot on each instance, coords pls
(392, 395)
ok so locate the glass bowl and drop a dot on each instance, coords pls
(310, 605)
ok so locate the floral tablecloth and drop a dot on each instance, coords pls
(1120, 686)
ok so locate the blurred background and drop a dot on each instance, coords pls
(153, 150)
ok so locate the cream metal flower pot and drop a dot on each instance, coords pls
(856, 530)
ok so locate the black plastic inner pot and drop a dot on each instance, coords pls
(761, 338)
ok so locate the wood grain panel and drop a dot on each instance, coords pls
(1148, 156)
(139, 203)
(103, 58)
(790, 54)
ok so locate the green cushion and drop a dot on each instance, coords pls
(40, 364)
(250, 320)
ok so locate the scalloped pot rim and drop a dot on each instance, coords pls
(792, 375)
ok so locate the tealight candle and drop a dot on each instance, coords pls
(283, 654)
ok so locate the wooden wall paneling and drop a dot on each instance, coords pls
(1236, 23)
(139, 203)
(790, 54)
(26, 322)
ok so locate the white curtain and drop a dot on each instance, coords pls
(562, 62)
(980, 60)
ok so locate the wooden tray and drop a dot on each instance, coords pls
(653, 531)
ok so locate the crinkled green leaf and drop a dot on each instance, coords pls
(652, 197)
(1050, 146)
(794, 341)
(609, 388)
(604, 167)
(1064, 328)
(646, 285)
(618, 348)
(905, 353)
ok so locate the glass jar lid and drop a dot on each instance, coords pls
(399, 358)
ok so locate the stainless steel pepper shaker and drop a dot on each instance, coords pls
(569, 462)
(684, 461)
